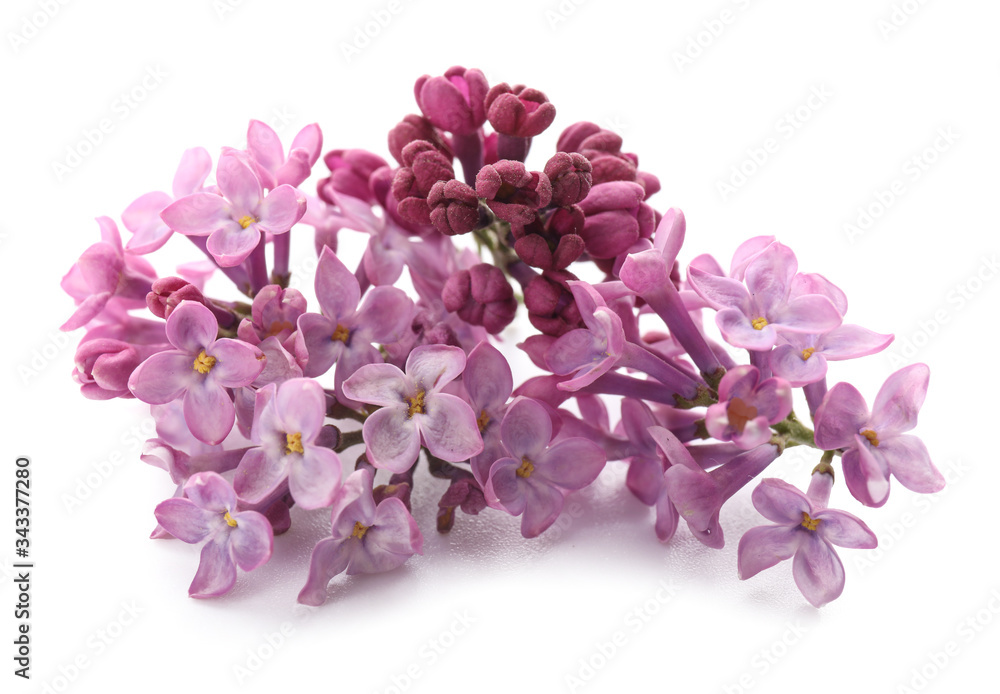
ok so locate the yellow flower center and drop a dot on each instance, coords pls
(759, 323)
(483, 420)
(810, 523)
(871, 436)
(807, 352)
(341, 333)
(359, 530)
(203, 363)
(246, 220)
(740, 413)
(229, 520)
(293, 443)
(526, 468)
(416, 404)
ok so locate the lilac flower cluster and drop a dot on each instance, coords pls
(256, 400)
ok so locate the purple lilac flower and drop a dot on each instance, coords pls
(748, 407)
(344, 333)
(234, 220)
(751, 315)
(533, 479)
(268, 158)
(412, 409)
(802, 358)
(366, 538)
(805, 531)
(235, 538)
(142, 216)
(199, 369)
(104, 275)
(874, 442)
(287, 420)
(453, 102)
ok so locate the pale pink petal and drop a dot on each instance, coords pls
(329, 558)
(314, 477)
(572, 463)
(764, 546)
(840, 417)
(198, 214)
(252, 540)
(208, 490)
(817, 570)
(899, 400)
(866, 475)
(719, 292)
(449, 428)
(911, 464)
(192, 327)
(432, 366)
(258, 475)
(392, 439)
(787, 362)
(543, 504)
(281, 209)
(185, 521)
(384, 316)
(780, 502)
(196, 163)
(216, 572)
(378, 384)
(852, 341)
(209, 412)
(238, 183)
(526, 429)
(806, 314)
(163, 377)
(231, 244)
(237, 363)
(845, 530)
(487, 377)
(738, 331)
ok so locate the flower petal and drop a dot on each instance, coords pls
(526, 429)
(840, 417)
(192, 327)
(572, 463)
(163, 377)
(769, 277)
(738, 331)
(487, 377)
(764, 546)
(392, 439)
(866, 479)
(216, 571)
(817, 570)
(184, 520)
(231, 244)
(252, 540)
(209, 412)
(238, 183)
(449, 428)
(899, 400)
(237, 363)
(337, 288)
(378, 384)
(780, 502)
(314, 477)
(910, 463)
(198, 214)
(543, 503)
(210, 491)
(302, 405)
(845, 530)
(719, 292)
(329, 558)
(432, 366)
(258, 475)
(281, 209)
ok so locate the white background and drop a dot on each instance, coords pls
(541, 609)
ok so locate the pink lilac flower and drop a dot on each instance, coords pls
(616, 218)
(366, 538)
(199, 369)
(874, 442)
(235, 538)
(454, 102)
(802, 358)
(234, 220)
(412, 409)
(751, 315)
(268, 158)
(534, 477)
(104, 275)
(748, 407)
(805, 531)
(344, 333)
(103, 367)
(287, 420)
(142, 216)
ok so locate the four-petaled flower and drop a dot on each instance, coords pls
(235, 538)
(747, 407)
(200, 369)
(413, 408)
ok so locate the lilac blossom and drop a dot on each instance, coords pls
(365, 537)
(533, 479)
(802, 359)
(273, 168)
(234, 538)
(751, 315)
(234, 220)
(287, 421)
(199, 369)
(805, 531)
(489, 381)
(104, 275)
(413, 410)
(343, 334)
(748, 407)
(874, 442)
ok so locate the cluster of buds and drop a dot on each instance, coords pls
(257, 396)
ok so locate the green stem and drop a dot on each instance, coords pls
(795, 432)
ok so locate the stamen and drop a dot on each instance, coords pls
(229, 520)
(526, 468)
(807, 352)
(246, 220)
(759, 323)
(416, 404)
(740, 413)
(203, 363)
(483, 420)
(810, 523)
(293, 443)
(359, 530)
(341, 333)
(871, 435)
